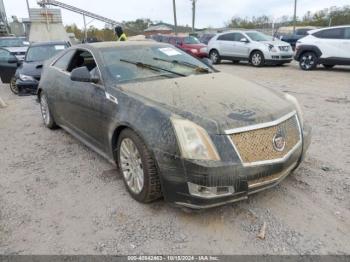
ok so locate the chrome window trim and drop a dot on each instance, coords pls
(264, 125)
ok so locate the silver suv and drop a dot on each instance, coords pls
(257, 48)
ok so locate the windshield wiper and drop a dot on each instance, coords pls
(152, 67)
(197, 68)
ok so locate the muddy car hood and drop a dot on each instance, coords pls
(215, 101)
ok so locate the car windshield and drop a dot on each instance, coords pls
(11, 42)
(42, 53)
(191, 40)
(137, 63)
(257, 36)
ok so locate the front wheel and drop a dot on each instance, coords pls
(308, 61)
(13, 85)
(138, 167)
(48, 120)
(257, 59)
(215, 57)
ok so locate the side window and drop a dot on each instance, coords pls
(335, 33)
(83, 58)
(227, 37)
(62, 63)
(347, 33)
(4, 55)
(238, 37)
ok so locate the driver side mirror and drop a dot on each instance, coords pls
(244, 40)
(82, 74)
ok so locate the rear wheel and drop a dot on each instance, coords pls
(138, 167)
(215, 57)
(308, 61)
(257, 59)
(48, 120)
(13, 85)
(328, 66)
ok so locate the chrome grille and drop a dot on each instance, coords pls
(284, 48)
(257, 145)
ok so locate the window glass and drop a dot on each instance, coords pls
(257, 36)
(347, 33)
(191, 40)
(42, 53)
(334, 33)
(238, 37)
(157, 56)
(11, 42)
(63, 62)
(227, 37)
(4, 55)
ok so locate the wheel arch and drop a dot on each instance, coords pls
(255, 50)
(302, 49)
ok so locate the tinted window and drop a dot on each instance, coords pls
(63, 62)
(80, 59)
(227, 37)
(238, 37)
(257, 36)
(347, 33)
(336, 33)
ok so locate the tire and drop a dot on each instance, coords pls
(235, 61)
(215, 57)
(13, 86)
(48, 119)
(257, 59)
(138, 168)
(328, 66)
(308, 61)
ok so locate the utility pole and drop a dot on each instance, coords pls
(28, 8)
(175, 19)
(193, 14)
(295, 16)
(85, 28)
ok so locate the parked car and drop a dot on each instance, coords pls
(205, 38)
(189, 44)
(8, 65)
(328, 46)
(173, 126)
(291, 37)
(27, 76)
(257, 48)
(15, 45)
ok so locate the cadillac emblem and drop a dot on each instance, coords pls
(279, 142)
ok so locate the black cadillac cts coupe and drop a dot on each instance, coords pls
(174, 126)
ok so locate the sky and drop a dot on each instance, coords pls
(214, 13)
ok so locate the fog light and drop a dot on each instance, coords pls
(210, 192)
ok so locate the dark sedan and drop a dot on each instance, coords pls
(27, 76)
(174, 126)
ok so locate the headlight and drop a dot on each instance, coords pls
(26, 78)
(195, 51)
(271, 48)
(293, 100)
(204, 50)
(194, 141)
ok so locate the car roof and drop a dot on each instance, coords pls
(49, 43)
(325, 28)
(238, 31)
(117, 44)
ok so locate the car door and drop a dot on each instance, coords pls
(7, 70)
(331, 42)
(85, 104)
(240, 49)
(226, 44)
(345, 46)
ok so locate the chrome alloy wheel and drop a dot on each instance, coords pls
(307, 61)
(13, 85)
(214, 57)
(256, 59)
(45, 112)
(131, 165)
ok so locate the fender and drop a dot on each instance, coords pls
(305, 48)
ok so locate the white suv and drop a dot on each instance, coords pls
(328, 46)
(257, 48)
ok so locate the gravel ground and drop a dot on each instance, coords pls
(59, 197)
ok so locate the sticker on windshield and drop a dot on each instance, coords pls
(59, 47)
(169, 51)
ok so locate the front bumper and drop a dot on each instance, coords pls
(279, 57)
(27, 86)
(179, 175)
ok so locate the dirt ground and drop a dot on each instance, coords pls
(59, 197)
